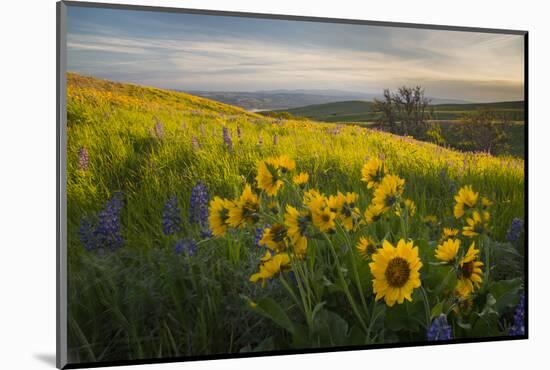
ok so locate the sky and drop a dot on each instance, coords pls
(212, 53)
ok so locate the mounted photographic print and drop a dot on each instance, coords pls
(235, 185)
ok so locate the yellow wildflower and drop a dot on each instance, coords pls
(301, 179)
(396, 272)
(447, 251)
(245, 210)
(271, 266)
(373, 172)
(466, 197)
(219, 215)
(470, 272)
(389, 191)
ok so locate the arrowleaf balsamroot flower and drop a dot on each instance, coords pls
(275, 237)
(322, 216)
(301, 179)
(373, 172)
(219, 215)
(469, 275)
(486, 202)
(365, 247)
(476, 224)
(408, 205)
(246, 209)
(448, 250)
(396, 271)
(297, 223)
(345, 208)
(324, 219)
(430, 221)
(283, 162)
(389, 191)
(439, 329)
(270, 266)
(465, 199)
(449, 233)
(374, 212)
(268, 178)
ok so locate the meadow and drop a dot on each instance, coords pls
(447, 116)
(153, 273)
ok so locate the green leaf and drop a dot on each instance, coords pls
(329, 329)
(406, 316)
(506, 293)
(272, 310)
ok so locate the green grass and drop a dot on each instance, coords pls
(144, 301)
(446, 115)
(362, 111)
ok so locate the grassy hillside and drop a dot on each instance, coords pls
(346, 111)
(144, 299)
(361, 111)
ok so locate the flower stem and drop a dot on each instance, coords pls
(344, 284)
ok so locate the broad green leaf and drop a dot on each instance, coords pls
(272, 310)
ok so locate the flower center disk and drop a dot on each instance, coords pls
(398, 272)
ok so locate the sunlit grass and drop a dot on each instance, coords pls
(145, 302)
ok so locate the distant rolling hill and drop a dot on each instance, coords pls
(362, 111)
(289, 99)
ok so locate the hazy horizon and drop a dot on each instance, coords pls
(212, 53)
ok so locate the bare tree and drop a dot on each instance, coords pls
(482, 130)
(405, 112)
(387, 109)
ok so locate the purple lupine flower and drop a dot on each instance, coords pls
(518, 328)
(159, 129)
(107, 233)
(83, 158)
(171, 217)
(514, 232)
(86, 233)
(227, 139)
(439, 330)
(275, 139)
(239, 132)
(198, 205)
(195, 143)
(187, 246)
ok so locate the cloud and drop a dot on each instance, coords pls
(462, 65)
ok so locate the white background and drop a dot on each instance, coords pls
(27, 181)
